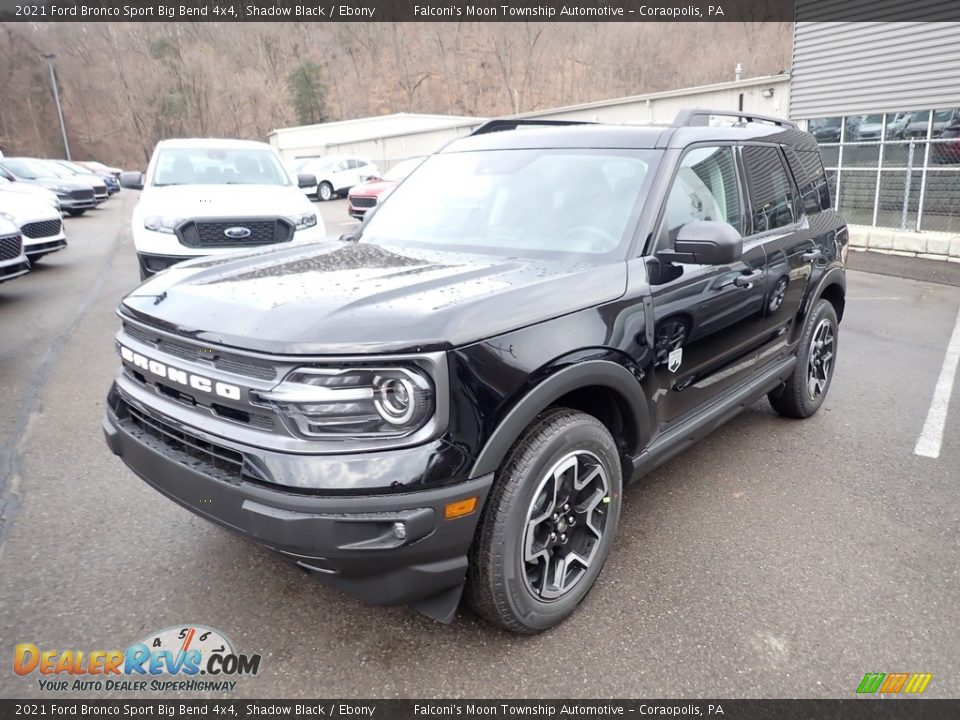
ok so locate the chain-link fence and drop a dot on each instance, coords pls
(900, 170)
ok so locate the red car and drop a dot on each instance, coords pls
(948, 151)
(366, 196)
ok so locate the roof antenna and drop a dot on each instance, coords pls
(737, 72)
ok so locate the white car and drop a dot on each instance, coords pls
(10, 187)
(40, 224)
(13, 263)
(336, 174)
(207, 197)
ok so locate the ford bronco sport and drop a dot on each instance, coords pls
(454, 398)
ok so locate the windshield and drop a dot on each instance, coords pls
(30, 169)
(199, 166)
(399, 171)
(556, 203)
(75, 169)
(56, 169)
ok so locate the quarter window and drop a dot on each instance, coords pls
(705, 188)
(811, 181)
(771, 196)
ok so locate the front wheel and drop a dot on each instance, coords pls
(549, 523)
(325, 191)
(807, 387)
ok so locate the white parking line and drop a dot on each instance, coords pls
(931, 437)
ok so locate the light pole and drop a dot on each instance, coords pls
(56, 96)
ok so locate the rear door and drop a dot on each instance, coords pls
(779, 223)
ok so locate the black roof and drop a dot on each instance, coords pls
(600, 135)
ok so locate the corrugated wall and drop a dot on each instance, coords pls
(846, 68)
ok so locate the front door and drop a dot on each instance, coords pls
(708, 319)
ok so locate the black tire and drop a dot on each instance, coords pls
(798, 398)
(76, 213)
(498, 581)
(325, 192)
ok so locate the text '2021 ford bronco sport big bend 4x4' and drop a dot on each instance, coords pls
(455, 397)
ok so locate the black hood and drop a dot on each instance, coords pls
(345, 298)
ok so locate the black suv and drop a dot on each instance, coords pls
(455, 397)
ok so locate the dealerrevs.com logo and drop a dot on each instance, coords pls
(187, 658)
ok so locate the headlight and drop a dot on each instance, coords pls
(162, 223)
(303, 221)
(10, 218)
(354, 402)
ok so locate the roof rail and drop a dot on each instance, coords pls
(492, 126)
(689, 117)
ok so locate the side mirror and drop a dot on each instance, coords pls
(305, 180)
(131, 180)
(706, 242)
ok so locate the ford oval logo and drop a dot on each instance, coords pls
(237, 233)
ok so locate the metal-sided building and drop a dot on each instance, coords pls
(385, 139)
(388, 139)
(883, 99)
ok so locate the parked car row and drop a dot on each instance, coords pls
(76, 187)
(913, 125)
(34, 194)
(31, 226)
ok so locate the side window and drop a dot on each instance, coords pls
(771, 196)
(705, 188)
(355, 164)
(810, 178)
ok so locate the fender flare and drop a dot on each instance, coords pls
(834, 276)
(606, 373)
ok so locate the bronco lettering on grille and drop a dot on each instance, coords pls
(197, 382)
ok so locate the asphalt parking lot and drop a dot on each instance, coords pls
(777, 558)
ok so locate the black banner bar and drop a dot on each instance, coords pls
(474, 11)
(853, 709)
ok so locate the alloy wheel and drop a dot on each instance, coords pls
(820, 363)
(564, 525)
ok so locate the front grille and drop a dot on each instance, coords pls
(221, 361)
(10, 247)
(82, 194)
(100, 191)
(209, 458)
(210, 233)
(363, 202)
(42, 229)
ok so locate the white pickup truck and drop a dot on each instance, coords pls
(204, 197)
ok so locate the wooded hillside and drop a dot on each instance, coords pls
(126, 85)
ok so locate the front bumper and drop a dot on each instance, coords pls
(152, 264)
(348, 541)
(37, 247)
(12, 269)
(67, 203)
(44, 247)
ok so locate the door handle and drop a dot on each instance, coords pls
(748, 278)
(811, 256)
